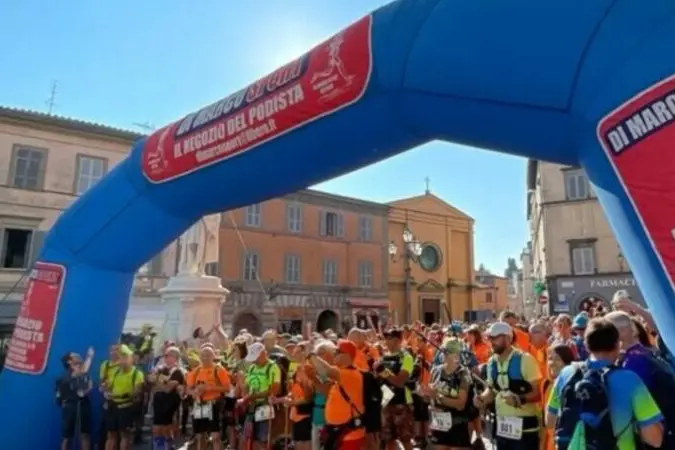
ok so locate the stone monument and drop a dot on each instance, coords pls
(192, 298)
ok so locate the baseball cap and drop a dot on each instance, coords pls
(125, 350)
(621, 293)
(580, 321)
(499, 329)
(347, 347)
(254, 352)
(452, 346)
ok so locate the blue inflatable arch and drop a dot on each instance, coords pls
(567, 81)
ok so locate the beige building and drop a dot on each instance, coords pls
(46, 162)
(573, 251)
(530, 301)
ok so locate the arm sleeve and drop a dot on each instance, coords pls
(553, 402)
(645, 409)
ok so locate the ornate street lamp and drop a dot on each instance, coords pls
(412, 250)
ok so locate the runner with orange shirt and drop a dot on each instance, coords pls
(345, 403)
(539, 347)
(521, 339)
(478, 346)
(366, 355)
(207, 384)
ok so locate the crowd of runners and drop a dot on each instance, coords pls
(598, 380)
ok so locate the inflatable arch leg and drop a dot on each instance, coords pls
(569, 81)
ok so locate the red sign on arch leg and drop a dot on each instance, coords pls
(331, 76)
(639, 140)
(28, 349)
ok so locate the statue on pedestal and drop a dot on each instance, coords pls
(198, 245)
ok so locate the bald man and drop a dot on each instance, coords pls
(539, 346)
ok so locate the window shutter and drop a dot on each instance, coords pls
(155, 266)
(322, 222)
(340, 225)
(36, 246)
(289, 216)
(583, 187)
(577, 262)
(299, 280)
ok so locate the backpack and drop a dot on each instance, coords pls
(372, 401)
(584, 406)
(664, 353)
(661, 388)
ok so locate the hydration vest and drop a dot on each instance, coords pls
(514, 373)
(452, 382)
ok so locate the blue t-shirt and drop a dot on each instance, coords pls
(629, 403)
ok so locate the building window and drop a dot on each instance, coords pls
(294, 217)
(28, 168)
(365, 228)
(365, 274)
(576, 185)
(488, 297)
(430, 259)
(330, 272)
(16, 246)
(583, 258)
(90, 170)
(212, 269)
(332, 224)
(251, 266)
(253, 215)
(292, 269)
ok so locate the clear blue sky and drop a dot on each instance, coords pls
(120, 61)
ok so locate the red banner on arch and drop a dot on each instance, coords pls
(639, 140)
(329, 77)
(28, 350)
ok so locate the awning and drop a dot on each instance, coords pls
(379, 303)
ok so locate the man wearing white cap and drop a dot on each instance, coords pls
(263, 381)
(514, 383)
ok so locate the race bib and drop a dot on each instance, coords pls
(510, 427)
(440, 421)
(203, 411)
(264, 413)
(387, 395)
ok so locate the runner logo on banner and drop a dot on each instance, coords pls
(331, 76)
(28, 350)
(638, 138)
